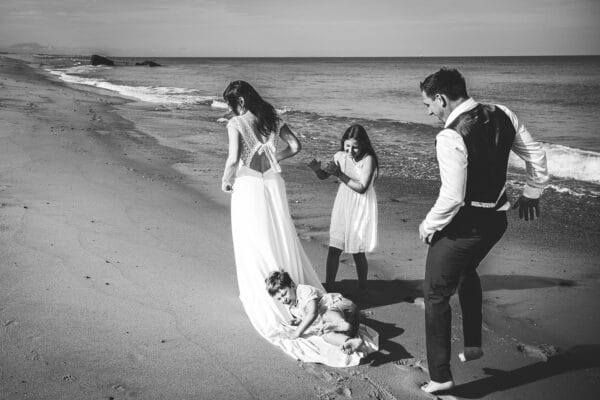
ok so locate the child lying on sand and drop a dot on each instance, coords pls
(337, 315)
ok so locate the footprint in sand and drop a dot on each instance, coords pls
(413, 375)
(416, 363)
(121, 388)
(336, 383)
(542, 352)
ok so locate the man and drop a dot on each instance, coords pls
(469, 215)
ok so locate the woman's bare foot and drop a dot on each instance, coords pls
(470, 354)
(351, 345)
(433, 386)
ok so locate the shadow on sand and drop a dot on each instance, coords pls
(389, 351)
(576, 358)
(382, 293)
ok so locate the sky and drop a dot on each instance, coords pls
(304, 28)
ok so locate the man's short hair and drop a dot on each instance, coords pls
(278, 280)
(445, 81)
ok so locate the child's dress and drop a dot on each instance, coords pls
(354, 217)
(325, 302)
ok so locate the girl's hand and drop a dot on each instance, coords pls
(295, 321)
(227, 187)
(332, 168)
(314, 165)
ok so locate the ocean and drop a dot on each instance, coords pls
(557, 98)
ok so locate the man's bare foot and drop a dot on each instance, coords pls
(433, 386)
(351, 345)
(470, 354)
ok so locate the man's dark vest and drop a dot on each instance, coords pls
(488, 134)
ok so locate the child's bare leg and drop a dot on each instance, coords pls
(333, 263)
(351, 345)
(335, 338)
(362, 269)
(334, 322)
(348, 344)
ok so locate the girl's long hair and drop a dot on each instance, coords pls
(358, 133)
(266, 116)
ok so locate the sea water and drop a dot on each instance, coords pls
(557, 98)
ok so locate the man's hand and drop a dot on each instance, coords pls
(528, 208)
(424, 236)
(226, 187)
(314, 165)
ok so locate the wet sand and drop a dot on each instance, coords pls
(118, 280)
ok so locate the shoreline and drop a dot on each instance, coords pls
(519, 270)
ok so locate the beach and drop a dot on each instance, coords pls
(118, 276)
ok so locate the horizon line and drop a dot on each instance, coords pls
(107, 54)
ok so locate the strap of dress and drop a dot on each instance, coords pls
(269, 149)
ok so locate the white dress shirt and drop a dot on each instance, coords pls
(452, 159)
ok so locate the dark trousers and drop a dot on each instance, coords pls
(452, 261)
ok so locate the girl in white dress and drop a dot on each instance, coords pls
(264, 236)
(353, 226)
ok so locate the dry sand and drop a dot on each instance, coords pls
(117, 277)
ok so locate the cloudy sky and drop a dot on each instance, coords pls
(306, 27)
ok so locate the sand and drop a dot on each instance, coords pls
(117, 277)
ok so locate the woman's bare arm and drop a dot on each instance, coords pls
(293, 145)
(233, 158)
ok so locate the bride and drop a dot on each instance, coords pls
(264, 236)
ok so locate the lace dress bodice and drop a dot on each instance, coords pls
(252, 145)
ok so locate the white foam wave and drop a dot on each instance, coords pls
(85, 69)
(221, 105)
(568, 162)
(560, 189)
(150, 94)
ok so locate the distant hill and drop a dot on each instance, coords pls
(29, 48)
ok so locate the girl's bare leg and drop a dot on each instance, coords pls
(348, 344)
(333, 263)
(351, 345)
(362, 269)
(335, 324)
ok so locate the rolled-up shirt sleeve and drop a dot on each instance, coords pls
(452, 159)
(531, 152)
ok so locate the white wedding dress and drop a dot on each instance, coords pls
(265, 240)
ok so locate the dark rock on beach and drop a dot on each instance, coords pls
(148, 63)
(99, 60)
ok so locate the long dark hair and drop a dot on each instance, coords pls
(265, 113)
(358, 133)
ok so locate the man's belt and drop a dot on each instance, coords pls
(502, 199)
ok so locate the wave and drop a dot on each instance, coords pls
(572, 192)
(150, 94)
(563, 162)
(86, 69)
(221, 105)
(568, 162)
